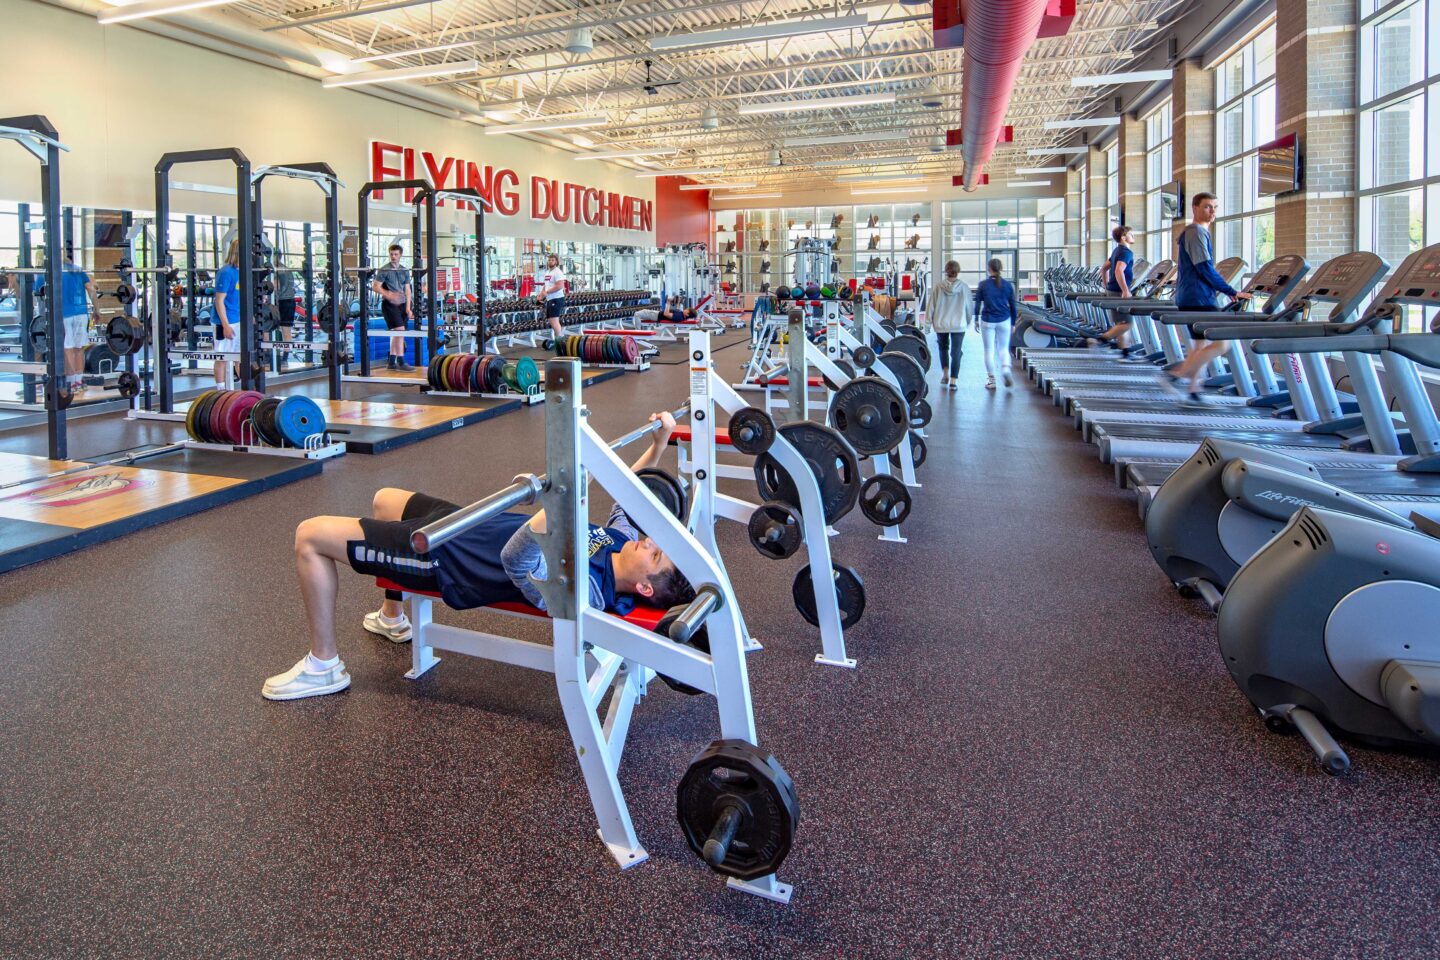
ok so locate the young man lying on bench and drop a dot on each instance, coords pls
(489, 563)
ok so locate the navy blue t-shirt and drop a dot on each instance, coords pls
(1198, 284)
(1121, 254)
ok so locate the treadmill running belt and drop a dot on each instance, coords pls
(1180, 434)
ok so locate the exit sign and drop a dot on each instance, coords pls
(1002, 223)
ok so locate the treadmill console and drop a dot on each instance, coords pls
(1345, 281)
(1230, 268)
(1416, 280)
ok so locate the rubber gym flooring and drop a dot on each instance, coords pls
(1040, 755)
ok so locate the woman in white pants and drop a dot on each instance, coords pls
(996, 309)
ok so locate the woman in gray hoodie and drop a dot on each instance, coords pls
(950, 312)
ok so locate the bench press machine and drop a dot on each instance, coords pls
(709, 390)
(740, 821)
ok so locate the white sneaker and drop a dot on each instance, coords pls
(394, 632)
(299, 682)
(990, 383)
(944, 381)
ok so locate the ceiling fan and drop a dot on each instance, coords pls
(651, 87)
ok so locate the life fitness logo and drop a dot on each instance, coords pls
(75, 491)
(556, 200)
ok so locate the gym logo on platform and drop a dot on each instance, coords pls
(74, 491)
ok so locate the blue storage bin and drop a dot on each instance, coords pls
(416, 348)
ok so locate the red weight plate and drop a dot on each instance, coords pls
(215, 424)
(238, 413)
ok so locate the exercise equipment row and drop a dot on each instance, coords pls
(481, 373)
(248, 417)
(599, 348)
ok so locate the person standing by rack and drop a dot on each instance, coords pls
(552, 289)
(226, 319)
(78, 305)
(285, 302)
(393, 286)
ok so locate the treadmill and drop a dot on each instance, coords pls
(1151, 286)
(1256, 391)
(1344, 281)
(1414, 483)
(1121, 375)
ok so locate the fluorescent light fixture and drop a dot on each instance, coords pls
(1134, 76)
(401, 73)
(863, 161)
(582, 141)
(845, 138)
(689, 172)
(551, 123)
(1048, 151)
(871, 193)
(1078, 124)
(767, 31)
(792, 106)
(153, 8)
(749, 196)
(437, 48)
(629, 154)
(1027, 183)
(894, 178)
(717, 186)
(1026, 170)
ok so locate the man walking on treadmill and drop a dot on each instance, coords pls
(1198, 287)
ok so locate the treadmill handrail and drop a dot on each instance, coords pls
(1352, 344)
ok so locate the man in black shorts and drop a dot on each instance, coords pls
(489, 563)
(392, 285)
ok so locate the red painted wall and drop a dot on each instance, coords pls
(681, 216)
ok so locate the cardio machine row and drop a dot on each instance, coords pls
(1296, 491)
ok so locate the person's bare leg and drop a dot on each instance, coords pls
(1200, 356)
(389, 504)
(319, 547)
(555, 326)
(74, 363)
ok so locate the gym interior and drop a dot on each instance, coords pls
(995, 435)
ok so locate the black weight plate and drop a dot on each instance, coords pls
(870, 414)
(775, 530)
(921, 413)
(863, 356)
(736, 776)
(884, 500)
(909, 330)
(202, 414)
(908, 371)
(666, 488)
(849, 595)
(918, 451)
(832, 460)
(914, 346)
(128, 385)
(847, 368)
(751, 431)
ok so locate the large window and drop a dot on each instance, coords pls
(1112, 184)
(1245, 119)
(1399, 198)
(1158, 131)
(1025, 235)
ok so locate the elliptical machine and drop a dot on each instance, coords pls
(1230, 498)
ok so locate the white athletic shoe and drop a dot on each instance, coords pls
(299, 682)
(990, 383)
(394, 632)
(944, 381)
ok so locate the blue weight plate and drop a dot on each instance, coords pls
(298, 418)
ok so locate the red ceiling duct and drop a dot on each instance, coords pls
(996, 35)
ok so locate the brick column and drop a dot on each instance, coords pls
(1316, 97)
(1192, 111)
(1098, 214)
(1132, 177)
(1073, 215)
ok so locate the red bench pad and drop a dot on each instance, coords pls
(683, 434)
(619, 333)
(785, 382)
(646, 617)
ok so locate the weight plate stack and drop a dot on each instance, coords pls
(237, 413)
(262, 421)
(192, 414)
(299, 418)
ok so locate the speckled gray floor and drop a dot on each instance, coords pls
(1041, 754)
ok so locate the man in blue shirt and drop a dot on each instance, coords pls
(491, 562)
(1198, 287)
(77, 305)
